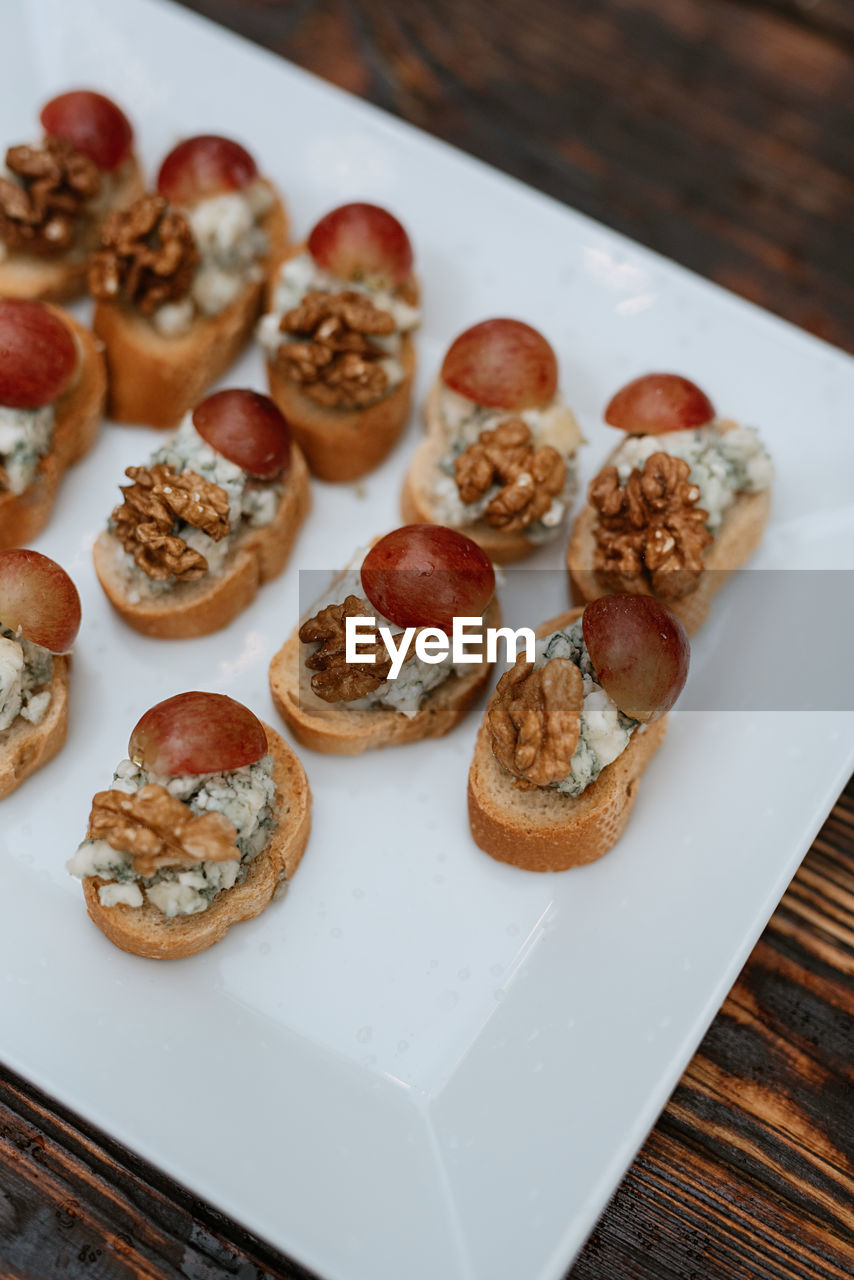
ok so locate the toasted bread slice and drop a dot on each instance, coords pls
(78, 416)
(155, 378)
(25, 747)
(61, 277)
(734, 544)
(146, 931)
(343, 444)
(197, 608)
(541, 830)
(416, 506)
(334, 728)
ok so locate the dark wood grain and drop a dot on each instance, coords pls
(719, 132)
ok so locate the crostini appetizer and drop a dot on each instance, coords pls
(499, 461)
(55, 194)
(202, 826)
(565, 738)
(338, 337)
(681, 503)
(417, 577)
(212, 516)
(53, 386)
(39, 621)
(179, 277)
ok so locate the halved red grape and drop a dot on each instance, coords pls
(359, 240)
(424, 575)
(92, 124)
(207, 165)
(502, 363)
(659, 402)
(38, 355)
(197, 733)
(38, 599)
(248, 429)
(640, 653)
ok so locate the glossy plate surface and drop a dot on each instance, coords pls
(421, 1063)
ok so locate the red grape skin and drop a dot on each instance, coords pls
(504, 364)
(248, 429)
(38, 599)
(204, 166)
(640, 652)
(92, 124)
(657, 403)
(38, 355)
(358, 240)
(424, 575)
(195, 733)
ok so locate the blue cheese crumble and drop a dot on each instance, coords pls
(462, 422)
(25, 671)
(25, 438)
(251, 503)
(247, 797)
(301, 275)
(231, 243)
(604, 731)
(723, 463)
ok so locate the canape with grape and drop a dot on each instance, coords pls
(178, 278)
(212, 515)
(499, 460)
(565, 738)
(405, 590)
(58, 190)
(53, 386)
(681, 502)
(202, 826)
(39, 621)
(338, 337)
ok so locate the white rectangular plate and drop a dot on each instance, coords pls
(422, 1063)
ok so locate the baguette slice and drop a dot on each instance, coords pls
(735, 542)
(541, 830)
(46, 278)
(335, 729)
(343, 444)
(25, 747)
(197, 608)
(145, 931)
(155, 378)
(78, 417)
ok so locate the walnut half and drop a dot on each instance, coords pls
(335, 679)
(147, 256)
(158, 830)
(535, 720)
(333, 359)
(530, 478)
(650, 529)
(153, 504)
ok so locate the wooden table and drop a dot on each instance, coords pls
(720, 133)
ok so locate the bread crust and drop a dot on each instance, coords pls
(155, 378)
(334, 729)
(78, 416)
(541, 830)
(198, 608)
(734, 544)
(62, 277)
(416, 497)
(145, 931)
(25, 747)
(342, 444)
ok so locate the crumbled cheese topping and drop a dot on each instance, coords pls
(723, 462)
(463, 420)
(231, 243)
(247, 797)
(25, 669)
(604, 731)
(25, 438)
